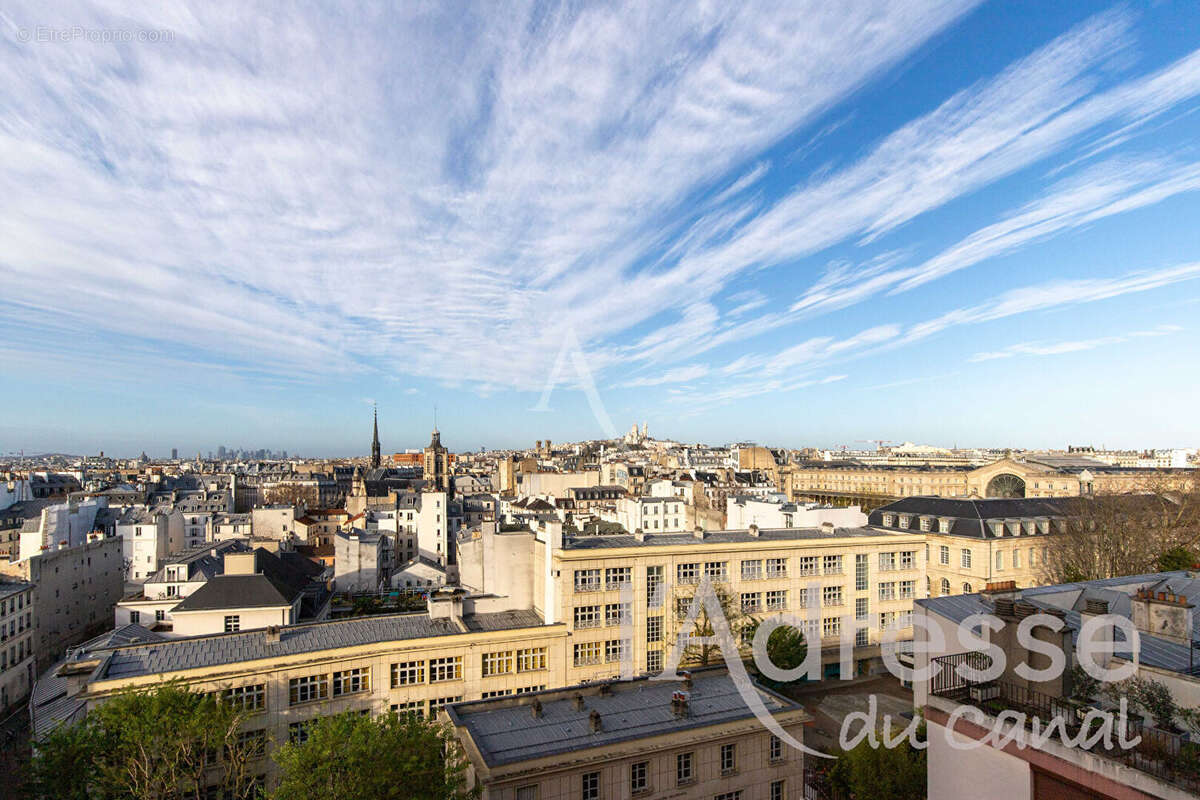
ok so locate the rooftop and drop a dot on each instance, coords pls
(600, 541)
(506, 731)
(195, 652)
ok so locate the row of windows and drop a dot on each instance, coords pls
(14, 603)
(590, 784)
(591, 616)
(611, 578)
(965, 559)
(590, 653)
(310, 688)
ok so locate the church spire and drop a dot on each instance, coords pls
(375, 442)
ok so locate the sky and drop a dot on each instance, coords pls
(802, 224)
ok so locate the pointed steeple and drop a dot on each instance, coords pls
(375, 442)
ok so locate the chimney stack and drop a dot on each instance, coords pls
(594, 724)
(577, 701)
(753, 530)
(536, 708)
(272, 634)
(698, 532)
(679, 704)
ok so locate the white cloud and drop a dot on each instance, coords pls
(1071, 346)
(676, 375)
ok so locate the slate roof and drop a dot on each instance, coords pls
(278, 582)
(601, 541)
(230, 648)
(969, 515)
(1072, 598)
(505, 730)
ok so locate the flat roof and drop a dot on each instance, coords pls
(505, 730)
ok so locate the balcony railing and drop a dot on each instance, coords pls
(1166, 755)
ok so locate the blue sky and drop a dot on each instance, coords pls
(802, 224)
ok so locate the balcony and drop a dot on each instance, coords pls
(1164, 755)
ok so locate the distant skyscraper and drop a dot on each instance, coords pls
(174, 453)
(375, 443)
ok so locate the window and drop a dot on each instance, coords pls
(527, 793)
(654, 579)
(778, 790)
(728, 758)
(966, 558)
(531, 659)
(587, 617)
(887, 562)
(613, 650)
(831, 596)
(414, 707)
(717, 571)
(246, 698)
(615, 612)
(497, 663)
(531, 689)
(831, 626)
(925, 523)
(833, 565)
(751, 602)
(888, 520)
(298, 731)
(683, 769)
(253, 743)
(887, 590)
(639, 776)
(809, 565)
(496, 693)
(729, 795)
(442, 702)
(774, 748)
(886, 619)
(687, 573)
(752, 570)
(776, 567)
(861, 562)
(908, 590)
(408, 673)
(233, 622)
(616, 577)
(777, 600)
(591, 786)
(1016, 559)
(351, 681)
(862, 637)
(908, 559)
(445, 669)
(134, 617)
(1033, 556)
(999, 560)
(587, 653)
(587, 580)
(966, 588)
(944, 555)
(945, 586)
(862, 608)
(308, 689)
(654, 629)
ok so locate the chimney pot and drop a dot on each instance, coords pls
(536, 708)
(594, 722)
(577, 701)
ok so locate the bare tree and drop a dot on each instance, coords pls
(1107, 535)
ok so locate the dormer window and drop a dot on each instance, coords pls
(926, 523)
(997, 529)
(904, 519)
(888, 520)
(943, 525)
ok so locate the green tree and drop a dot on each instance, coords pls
(355, 757)
(786, 647)
(741, 627)
(880, 773)
(165, 743)
(1176, 558)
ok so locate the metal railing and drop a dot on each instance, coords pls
(1164, 754)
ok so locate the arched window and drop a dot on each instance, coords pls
(966, 588)
(945, 586)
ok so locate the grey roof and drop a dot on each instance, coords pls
(601, 541)
(505, 730)
(1071, 598)
(969, 516)
(9, 588)
(230, 648)
(277, 582)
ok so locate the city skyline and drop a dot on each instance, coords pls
(946, 222)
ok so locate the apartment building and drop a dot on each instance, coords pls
(973, 542)
(650, 514)
(688, 738)
(75, 592)
(289, 676)
(17, 669)
(857, 580)
(962, 714)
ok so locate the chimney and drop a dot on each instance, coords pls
(1096, 607)
(753, 530)
(685, 678)
(679, 704)
(827, 527)
(1004, 607)
(698, 532)
(594, 724)
(536, 708)
(1164, 614)
(577, 701)
(272, 634)
(639, 535)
